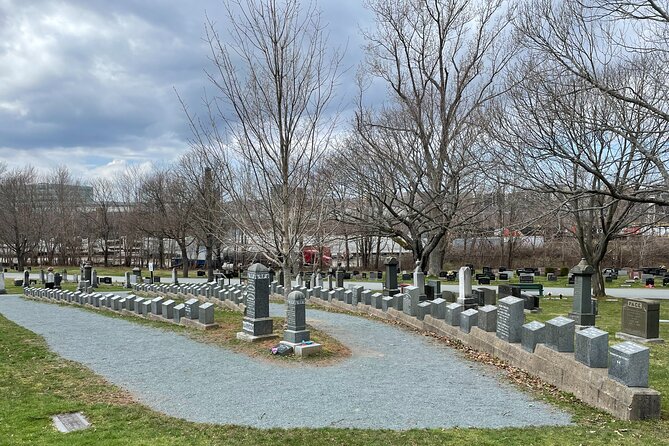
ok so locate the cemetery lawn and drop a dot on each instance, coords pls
(39, 384)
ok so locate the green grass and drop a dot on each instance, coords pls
(37, 384)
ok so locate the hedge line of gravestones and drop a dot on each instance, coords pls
(191, 313)
(627, 362)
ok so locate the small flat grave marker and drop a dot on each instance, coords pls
(70, 422)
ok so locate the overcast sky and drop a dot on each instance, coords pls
(89, 84)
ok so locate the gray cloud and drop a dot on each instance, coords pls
(90, 83)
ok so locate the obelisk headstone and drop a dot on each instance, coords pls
(88, 272)
(339, 276)
(391, 288)
(582, 307)
(26, 279)
(175, 280)
(419, 281)
(257, 324)
(465, 288)
(3, 290)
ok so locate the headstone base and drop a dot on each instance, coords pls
(583, 318)
(629, 337)
(468, 302)
(304, 350)
(295, 336)
(197, 324)
(258, 327)
(244, 336)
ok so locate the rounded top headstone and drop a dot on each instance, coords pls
(391, 261)
(583, 268)
(296, 298)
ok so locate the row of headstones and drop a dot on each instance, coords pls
(211, 290)
(168, 309)
(627, 362)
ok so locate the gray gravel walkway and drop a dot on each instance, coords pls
(394, 380)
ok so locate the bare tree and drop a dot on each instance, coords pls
(64, 200)
(413, 157)
(620, 49)
(267, 127)
(167, 206)
(582, 148)
(21, 213)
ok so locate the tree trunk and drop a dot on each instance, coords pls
(209, 256)
(437, 256)
(347, 252)
(378, 252)
(184, 257)
(161, 252)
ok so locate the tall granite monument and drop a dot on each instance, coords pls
(582, 311)
(391, 288)
(257, 324)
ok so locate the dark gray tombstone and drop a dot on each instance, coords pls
(438, 308)
(387, 302)
(582, 312)
(560, 334)
(531, 301)
(468, 319)
(167, 309)
(640, 318)
(533, 333)
(191, 309)
(157, 305)
(366, 297)
(26, 278)
(145, 307)
(348, 296)
(629, 364)
(257, 324)
(510, 319)
(391, 288)
(423, 309)
(411, 300)
(88, 272)
(205, 313)
(488, 318)
(357, 294)
(448, 296)
(591, 347)
(138, 304)
(436, 286)
(296, 322)
(377, 300)
(339, 276)
(453, 314)
(489, 296)
(526, 278)
(179, 312)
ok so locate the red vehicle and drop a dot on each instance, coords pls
(311, 255)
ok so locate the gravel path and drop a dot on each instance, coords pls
(394, 380)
